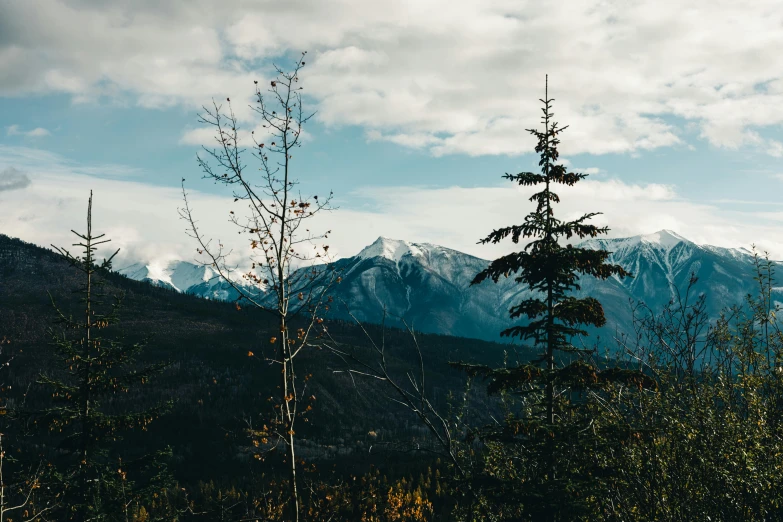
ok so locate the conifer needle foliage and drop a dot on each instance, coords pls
(90, 410)
(542, 432)
(547, 267)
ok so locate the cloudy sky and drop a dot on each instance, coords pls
(422, 106)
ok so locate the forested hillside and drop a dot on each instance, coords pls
(214, 384)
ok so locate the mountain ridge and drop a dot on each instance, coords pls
(429, 285)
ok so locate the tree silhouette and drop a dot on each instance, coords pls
(552, 318)
(87, 410)
(286, 262)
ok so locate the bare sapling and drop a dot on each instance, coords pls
(286, 271)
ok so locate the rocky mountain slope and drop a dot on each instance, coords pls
(429, 285)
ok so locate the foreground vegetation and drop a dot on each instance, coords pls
(680, 421)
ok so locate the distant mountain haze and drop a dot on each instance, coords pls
(429, 285)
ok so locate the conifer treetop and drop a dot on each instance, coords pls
(544, 265)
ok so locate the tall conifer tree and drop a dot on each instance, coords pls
(552, 318)
(95, 482)
(547, 267)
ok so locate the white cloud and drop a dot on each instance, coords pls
(143, 219)
(206, 136)
(413, 141)
(775, 149)
(458, 217)
(38, 160)
(585, 170)
(38, 132)
(775, 216)
(443, 75)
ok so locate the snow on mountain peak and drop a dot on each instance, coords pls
(662, 240)
(185, 275)
(392, 249)
(667, 239)
(179, 275)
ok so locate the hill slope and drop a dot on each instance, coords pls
(217, 388)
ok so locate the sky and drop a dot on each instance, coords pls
(421, 106)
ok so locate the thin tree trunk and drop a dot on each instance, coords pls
(294, 489)
(550, 310)
(287, 382)
(85, 357)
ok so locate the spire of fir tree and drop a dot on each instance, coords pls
(542, 433)
(549, 268)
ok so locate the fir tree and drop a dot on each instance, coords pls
(553, 317)
(547, 267)
(87, 412)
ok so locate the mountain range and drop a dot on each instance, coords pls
(429, 285)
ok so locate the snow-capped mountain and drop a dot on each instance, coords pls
(176, 275)
(184, 277)
(429, 285)
(662, 264)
